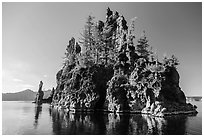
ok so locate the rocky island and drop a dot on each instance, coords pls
(109, 70)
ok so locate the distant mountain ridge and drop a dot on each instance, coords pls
(194, 98)
(25, 95)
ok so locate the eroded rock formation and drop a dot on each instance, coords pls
(82, 88)
(131, 79)
(40, 94)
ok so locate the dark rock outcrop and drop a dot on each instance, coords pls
(83, 88)
(40, 94)
(170, 87)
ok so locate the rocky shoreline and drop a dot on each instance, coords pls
(164, 114)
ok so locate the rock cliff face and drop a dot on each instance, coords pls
(83, 88)
(131, 79)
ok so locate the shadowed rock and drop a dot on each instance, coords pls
(40, 94)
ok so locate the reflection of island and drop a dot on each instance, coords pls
(77, 123)
(173, 125)
(38, 110)
(112, 124)
(146, 125)
(118, 124)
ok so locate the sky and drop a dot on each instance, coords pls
(35, 35)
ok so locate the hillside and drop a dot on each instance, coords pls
(25, 95)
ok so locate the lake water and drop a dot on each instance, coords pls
(25, 118)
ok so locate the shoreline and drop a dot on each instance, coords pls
(162, 115)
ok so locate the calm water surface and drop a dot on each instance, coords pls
(27, 118)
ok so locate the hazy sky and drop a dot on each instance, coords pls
(35, 36)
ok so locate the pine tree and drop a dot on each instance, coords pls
(143, 46)
(87, 41)
(98, 40)
(170, 62)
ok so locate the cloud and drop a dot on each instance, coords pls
(18, 66)
(25, 86)
(17, 80)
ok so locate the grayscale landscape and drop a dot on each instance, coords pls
(122, 68)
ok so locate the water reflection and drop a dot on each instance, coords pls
(77, 123)
(38, 110)
(176, 125)
(113, 124)
(118, 124)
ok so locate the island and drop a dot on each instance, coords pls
(108, 70)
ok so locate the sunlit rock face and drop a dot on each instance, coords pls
(131, 79)
(116, 94)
